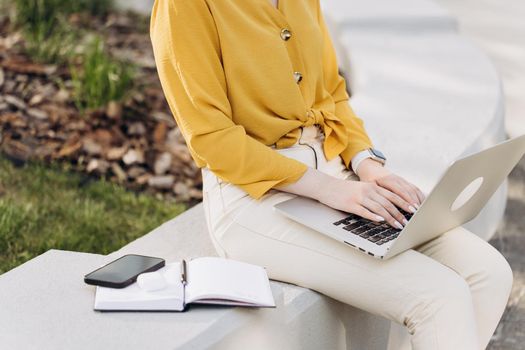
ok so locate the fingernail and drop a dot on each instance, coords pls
(380, 218)
(398, 225)
(415, 205)
(405, 222)
(412, 209)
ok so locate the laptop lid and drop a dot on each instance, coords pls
(461, 193)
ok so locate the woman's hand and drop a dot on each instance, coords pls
(366, 199)
(370, 198)
(371, 171)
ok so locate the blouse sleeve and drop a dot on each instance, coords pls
(336, 85)
(189, 64)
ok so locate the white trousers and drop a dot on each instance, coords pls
(450, 292)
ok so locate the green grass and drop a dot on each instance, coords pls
(100, 78)
(57, 47)
(93, 7)
(46, 207)
(43, 15)
(49, 37)
(97, 77)
(42, 23)
(38, 16)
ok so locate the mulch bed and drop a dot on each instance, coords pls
(134, 142)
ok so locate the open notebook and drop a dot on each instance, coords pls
(210, 280)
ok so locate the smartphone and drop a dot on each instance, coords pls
(123, 271)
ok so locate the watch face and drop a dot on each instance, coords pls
(377, 153)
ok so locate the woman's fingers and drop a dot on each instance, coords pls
(367, 214)
(398, 220)
(397, 200)
(393, 185)
(377, 203)
(380, 209)
(414, 191)
(419, 193)
(411, 193)
(402, 188)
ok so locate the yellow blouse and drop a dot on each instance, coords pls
(242, 75)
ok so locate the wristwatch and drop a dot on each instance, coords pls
(373, 153)
(377, 155)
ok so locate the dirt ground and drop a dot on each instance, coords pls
(510, 240)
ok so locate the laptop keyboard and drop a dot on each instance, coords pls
(375, 232)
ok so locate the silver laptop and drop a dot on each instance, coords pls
(459, 196)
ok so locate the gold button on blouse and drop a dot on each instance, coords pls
(298, 77)
(286, 34)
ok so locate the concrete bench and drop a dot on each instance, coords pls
(46, 305)
(427, 97)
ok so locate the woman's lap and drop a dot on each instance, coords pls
(456, 249)
(398, 288)
(434, 283)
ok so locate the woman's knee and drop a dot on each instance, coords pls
(480, 263)
(498, 272)
(448, 299)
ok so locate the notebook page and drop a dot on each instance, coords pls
(218, 278)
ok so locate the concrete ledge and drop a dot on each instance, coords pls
(46, 305)
(385, 15)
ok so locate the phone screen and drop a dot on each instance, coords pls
(123, 271)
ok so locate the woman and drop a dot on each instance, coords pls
(255, 90)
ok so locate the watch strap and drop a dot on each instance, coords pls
(358, 158)
(367, 153)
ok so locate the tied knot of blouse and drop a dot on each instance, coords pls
(336, 137)
(241, 76)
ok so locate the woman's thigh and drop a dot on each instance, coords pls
(469, 256)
